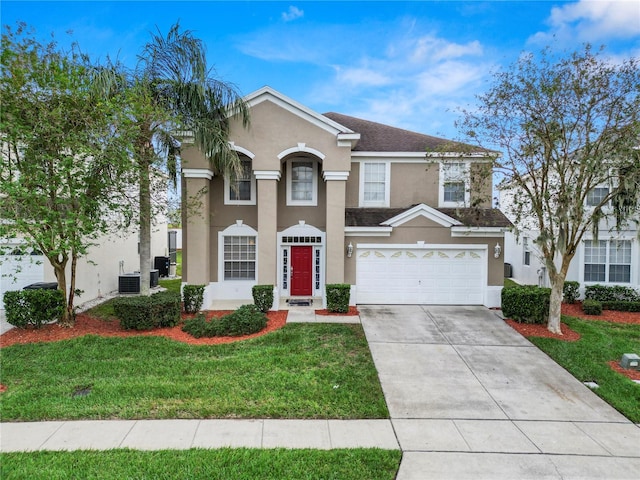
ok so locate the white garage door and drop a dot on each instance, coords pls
(18, 271)
(438, 275)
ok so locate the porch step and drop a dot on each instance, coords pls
(300, 302)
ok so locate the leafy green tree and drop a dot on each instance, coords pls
(566, 126)
(173, 92)
(64, 164)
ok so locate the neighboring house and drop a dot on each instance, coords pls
(96, 273)
(336, 199)
(613, 258)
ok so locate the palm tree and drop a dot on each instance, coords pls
(173, 91)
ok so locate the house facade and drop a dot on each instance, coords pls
(336, 199)
(611, 258)
(97, 272)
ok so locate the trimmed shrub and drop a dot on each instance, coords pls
(165, 308)
(33, 307)
(571, 291)
(244, 321)
(526, 303)
(193, 296)
(621, 306)
(262, 297)
(338, 297)
(197, 326)
(144, 313)
(613, 293)
(592, 307)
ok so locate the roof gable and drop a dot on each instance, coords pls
(268, 94)
(422, 210)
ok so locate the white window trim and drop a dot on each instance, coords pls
(441, 182)
(227, 192)
(606, 206)
(302, 230)
(387, 185)
(314, 184)
(240, 230)
(635, 254)
(526, 248)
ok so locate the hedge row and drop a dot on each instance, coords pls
(244, 321)
(144, 313)
(33, 307)
(526, 303)
(622, 306)
(615, 293)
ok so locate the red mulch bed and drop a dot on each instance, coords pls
(86, 325)
(632, 374)
(353, 310)
(575, 310)
(541, 330)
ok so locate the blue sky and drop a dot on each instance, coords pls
(407, 64)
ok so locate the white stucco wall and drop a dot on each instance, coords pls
(97, 273)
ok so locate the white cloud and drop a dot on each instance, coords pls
(361, 76)
(431, 48)
(394, 73)
(589, 21)
(292, 14)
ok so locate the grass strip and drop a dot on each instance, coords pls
(227, 464)
(301, 371)
(587, 360)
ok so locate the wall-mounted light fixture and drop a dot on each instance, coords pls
(497, 250)
(349, 250)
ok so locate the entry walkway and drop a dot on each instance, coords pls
(471, 398)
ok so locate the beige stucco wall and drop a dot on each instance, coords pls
(274, 130)
(422, 229)
(413, 183)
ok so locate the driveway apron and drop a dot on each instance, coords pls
(469, 397)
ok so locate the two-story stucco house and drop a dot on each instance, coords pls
(336, 199)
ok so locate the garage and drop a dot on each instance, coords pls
(19, 269)
(421, 274)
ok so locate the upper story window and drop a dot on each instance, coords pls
(374, 184)
(454, 180)
(596, 195)
(302, 182)
(242, 190)
(607, 261)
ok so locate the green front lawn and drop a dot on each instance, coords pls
(300, 371)
(587, 360)
(223, 464)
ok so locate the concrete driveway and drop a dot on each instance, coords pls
(471, 398)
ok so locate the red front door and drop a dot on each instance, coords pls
(301, 270)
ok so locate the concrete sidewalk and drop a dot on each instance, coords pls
(471, 398)
(185, 434)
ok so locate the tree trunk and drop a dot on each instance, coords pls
(59, 269)
(145, 226)
(555, 305)
(555, 302)
(72, 290)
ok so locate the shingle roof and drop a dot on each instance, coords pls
(470, 217)
(377, 137)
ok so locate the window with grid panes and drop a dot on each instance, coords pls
(239, 258)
